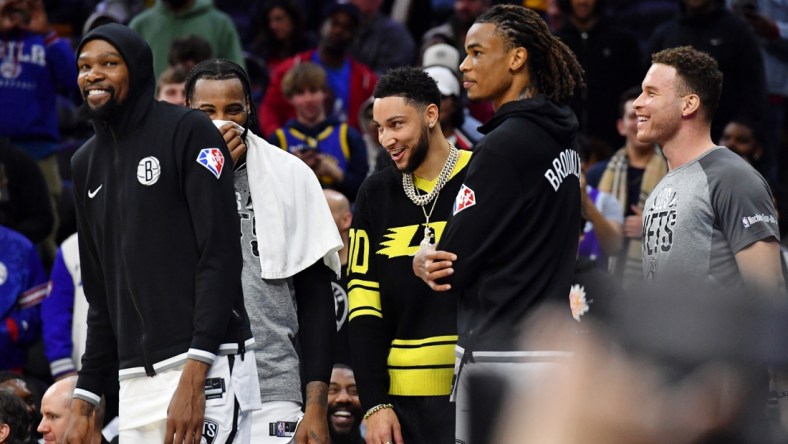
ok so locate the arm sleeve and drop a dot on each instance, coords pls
(743, 205)
(317, 322)
(210, 198)
(369, 340)
(357, 167)
(100, 355)
(56, 315)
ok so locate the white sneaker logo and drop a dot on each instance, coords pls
(92, 194)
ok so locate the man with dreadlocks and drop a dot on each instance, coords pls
(288, 241)
(511, 242)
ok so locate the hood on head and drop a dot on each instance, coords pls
(135, 52)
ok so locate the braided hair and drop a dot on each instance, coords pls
(553, 66)
(222, 69)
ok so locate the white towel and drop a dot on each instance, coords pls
(293, 222)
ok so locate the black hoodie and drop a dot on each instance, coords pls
(515, 222)
(158, 232)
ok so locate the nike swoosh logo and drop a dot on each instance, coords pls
(92, 194)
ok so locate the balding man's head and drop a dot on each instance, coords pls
(340, 209)
(55, 409)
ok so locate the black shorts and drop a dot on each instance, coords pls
(425, 419)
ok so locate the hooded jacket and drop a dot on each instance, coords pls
(158, 232)
(159, 26)
(515, 223)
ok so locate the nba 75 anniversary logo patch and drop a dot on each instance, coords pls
(465, 198)
(212, 159)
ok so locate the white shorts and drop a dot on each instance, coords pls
(230, 398)
(276, 422)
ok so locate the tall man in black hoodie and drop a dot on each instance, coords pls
(161, 261)
(511, 242)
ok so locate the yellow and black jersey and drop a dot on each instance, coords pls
(402, 334)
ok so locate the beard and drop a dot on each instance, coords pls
(420, 151)
(103, 112)
(352, 436)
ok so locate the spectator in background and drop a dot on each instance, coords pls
(452, 113)
(377, 156)
(56, 411)
(64, 321)
(14, 383)
(343, 217)
(630, 175)
(442, 54)
(769, 21)
(740, 138)
(611, 60)
(170, 87)
(25, 206)
(14, 420)
(344, 407)
(332, 149)
(351, 82)
(29, 390)
(107, 11)
(22, 288)
(453, 31)
(709, 27)
(602, 232)
(373, 42)
(64, 312)
(185, 52)
(282, 33)
(168, 20)
(36, 67)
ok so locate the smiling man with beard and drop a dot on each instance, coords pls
(402, 334)
(160, 257)
(344, 408)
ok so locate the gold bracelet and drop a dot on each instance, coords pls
(376, 409)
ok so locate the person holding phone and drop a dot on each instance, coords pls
(332, 149)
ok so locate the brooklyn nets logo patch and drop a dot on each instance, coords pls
(148, 172)
(210, 430)
(340, 304)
